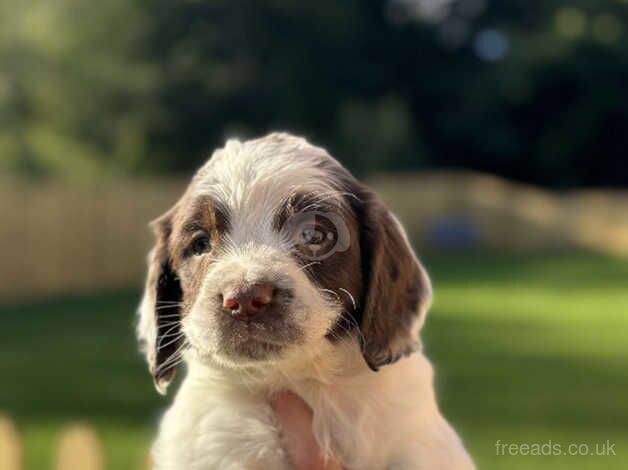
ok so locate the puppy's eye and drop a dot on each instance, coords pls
(313, 236)
(200, 245)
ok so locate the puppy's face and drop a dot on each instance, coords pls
(259, 277)
(275, 247)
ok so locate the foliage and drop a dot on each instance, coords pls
(75, 94)
(529, 90)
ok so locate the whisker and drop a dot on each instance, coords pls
(308, 265)
(331, 291)
(356, 327)
(343, 338)
(170, 322)
(352, 195)
(173, 364)
(163, 307)
(324, 196)
(320, 197)
(176, 357)
(161, 337)
(172, 341)
(175, 333)
(350, 296)
(348, 324)
(169, 365)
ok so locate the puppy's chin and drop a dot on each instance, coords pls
(257, 341)
(251, 351)
(236, 343)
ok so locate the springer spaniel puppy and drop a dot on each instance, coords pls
(278, 270)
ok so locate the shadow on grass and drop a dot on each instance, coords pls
(74, 359)
(499, 370)
(482, 381)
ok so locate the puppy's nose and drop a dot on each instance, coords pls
(244, 303)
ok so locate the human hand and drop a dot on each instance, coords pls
(295, 424)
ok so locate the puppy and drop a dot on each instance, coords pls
(278, 270)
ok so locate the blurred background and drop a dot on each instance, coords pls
(496, 129)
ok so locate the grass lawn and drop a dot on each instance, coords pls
(528, 350)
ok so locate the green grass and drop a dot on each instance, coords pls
(76, 360)
(528, 349)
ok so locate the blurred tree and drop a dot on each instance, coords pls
(244, 67)
(75, 98)
(530, 90)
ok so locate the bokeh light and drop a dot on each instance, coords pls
(606, 28)
(491, 45)
(570, 22)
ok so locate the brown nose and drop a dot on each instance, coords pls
(244, 303)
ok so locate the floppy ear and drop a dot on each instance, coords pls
(398, 290)
(160, 311)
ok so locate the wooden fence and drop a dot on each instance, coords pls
(77, 448)
(56, 239)
(506, 215)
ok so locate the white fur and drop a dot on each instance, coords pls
(368, 420)
(221, 417)
(251, 180)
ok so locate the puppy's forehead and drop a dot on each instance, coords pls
(253, 179)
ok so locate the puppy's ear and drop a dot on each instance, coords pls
(158, 329)
(398, 291)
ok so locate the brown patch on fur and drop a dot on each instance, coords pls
(167, 295)
(339, 276)
(397, 287)
(201, 214)
(389, 286)
(176, 276)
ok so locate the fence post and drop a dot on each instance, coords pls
(11, 457)
(79, 448)
(148, 462)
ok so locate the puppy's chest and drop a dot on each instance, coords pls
(232, 431)
(218, 432)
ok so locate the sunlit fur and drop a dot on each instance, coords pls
(252, 181)
(220, 418)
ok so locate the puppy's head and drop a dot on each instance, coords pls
(274, 247)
